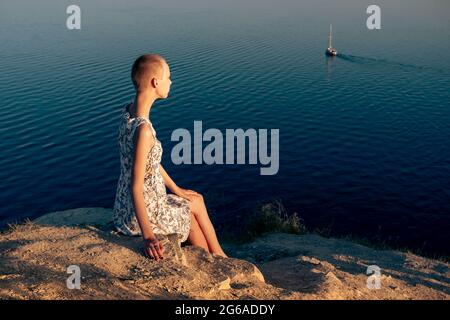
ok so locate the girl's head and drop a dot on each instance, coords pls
(150, 72)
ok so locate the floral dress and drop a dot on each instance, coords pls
(168, 213)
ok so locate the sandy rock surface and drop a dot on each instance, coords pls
(34, 258)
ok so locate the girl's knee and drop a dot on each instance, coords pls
(197, 204)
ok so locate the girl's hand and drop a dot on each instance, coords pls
(153, 248)
(187, 194)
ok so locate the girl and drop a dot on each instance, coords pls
(142, 205)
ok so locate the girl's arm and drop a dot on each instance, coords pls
(184, 193)
(143, 141)
(168, 181)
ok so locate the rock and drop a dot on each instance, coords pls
(331, 277)
(172, 248)
(98, 217)
(224, 284)
(34, 258)
(310, 260)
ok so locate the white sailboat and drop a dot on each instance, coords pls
(330, 50)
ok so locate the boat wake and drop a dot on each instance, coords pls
(385, 62)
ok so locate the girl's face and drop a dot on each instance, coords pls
(163, 87)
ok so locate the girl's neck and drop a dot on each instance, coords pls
(143, 102)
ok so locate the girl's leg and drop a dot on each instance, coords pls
(196, 236)
(199, 209)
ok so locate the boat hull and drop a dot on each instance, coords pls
(331, 52)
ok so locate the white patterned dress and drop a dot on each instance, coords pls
(168, 213)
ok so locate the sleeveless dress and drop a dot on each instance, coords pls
(168, 213)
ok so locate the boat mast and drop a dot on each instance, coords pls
(329, 38)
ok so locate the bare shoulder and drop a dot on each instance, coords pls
(143, 135)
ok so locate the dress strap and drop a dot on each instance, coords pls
(140, 120)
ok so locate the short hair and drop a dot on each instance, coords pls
(144, 68)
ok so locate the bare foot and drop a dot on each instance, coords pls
(222, 254)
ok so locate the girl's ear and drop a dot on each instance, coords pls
(154, 82)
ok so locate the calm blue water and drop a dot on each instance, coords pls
(363, 137)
